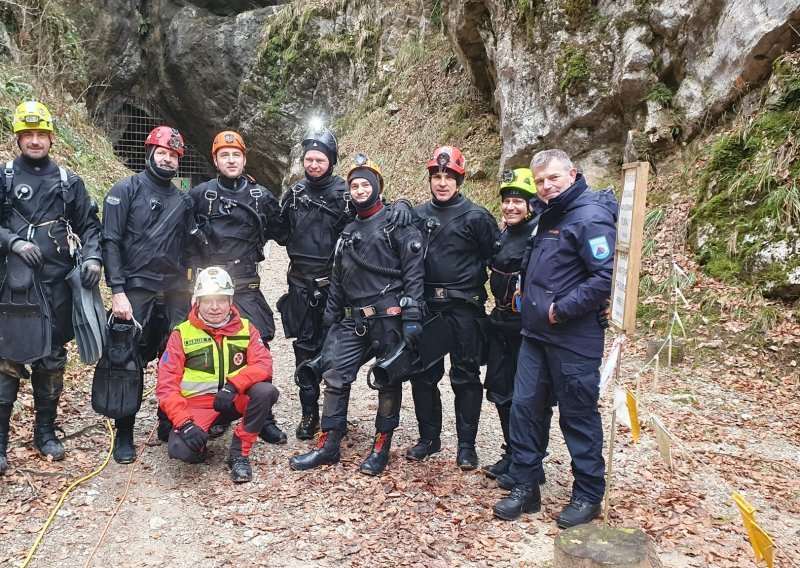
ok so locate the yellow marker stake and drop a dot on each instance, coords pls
(634, 415)
(759, 539)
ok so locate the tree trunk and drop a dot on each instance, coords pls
(597, 546)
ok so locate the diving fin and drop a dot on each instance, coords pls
(25, 320)
(88, 318)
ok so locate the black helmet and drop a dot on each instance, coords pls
(320, 138)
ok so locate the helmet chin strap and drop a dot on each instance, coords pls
(153, 168)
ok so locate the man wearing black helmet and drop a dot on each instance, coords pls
(314, 211)
(146, 221)
(459, 237)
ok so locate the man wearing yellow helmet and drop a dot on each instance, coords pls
(236, 216)
(49, 223)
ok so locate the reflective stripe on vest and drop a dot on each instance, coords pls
(202, 373)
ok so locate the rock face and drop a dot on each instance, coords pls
(580, 73)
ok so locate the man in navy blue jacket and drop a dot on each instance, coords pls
(568, 276)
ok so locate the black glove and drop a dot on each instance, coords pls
(602, 314)
(90, 273)
(223, 400)
(29, 252)
(401, 213)
(194, 436)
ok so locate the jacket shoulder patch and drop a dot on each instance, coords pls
(599, 247)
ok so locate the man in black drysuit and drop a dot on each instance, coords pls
(235, 218)
(459, 236)
(43, 208)
(378, 268)
(146, 223)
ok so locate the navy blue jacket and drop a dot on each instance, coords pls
(571, 266)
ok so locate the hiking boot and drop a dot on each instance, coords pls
(500, 467)
(44, 438)
(271, 434)
(577, 512)
(217, 430)
(308, 427)
(241, 471)
(377, 459)
(423, 448)
(524, 498)
(326, 452)
(467, 458)
(124, 450)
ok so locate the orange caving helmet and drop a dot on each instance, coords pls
(166, 137)
(447, 158)
(228, 139)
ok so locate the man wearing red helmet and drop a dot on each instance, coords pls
(235, 217)
(459, 238)
(146, 222)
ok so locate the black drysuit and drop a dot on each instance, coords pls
(458, 240)
(235, 219)
(363, 308)
(313, 215)
(146, 226)
(39, 209)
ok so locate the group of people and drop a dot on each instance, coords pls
(365, 279)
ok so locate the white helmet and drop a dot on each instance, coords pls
(213, 281)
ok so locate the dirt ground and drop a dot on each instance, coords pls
(422, 514)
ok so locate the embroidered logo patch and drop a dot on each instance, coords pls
(112, 200)
(599, 247)
(165, 358)
(238, 359)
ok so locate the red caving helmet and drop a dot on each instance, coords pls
(166, 137)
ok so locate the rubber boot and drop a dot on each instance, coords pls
(309, 423)
(44, 436)
(325, 452)
(5, 420)
(377, 459)
(524, 498)
(124, 450)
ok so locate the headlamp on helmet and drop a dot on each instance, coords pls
(213, 281)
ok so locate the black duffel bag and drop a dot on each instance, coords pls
(119, 376)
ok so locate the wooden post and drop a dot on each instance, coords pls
(591, 545)
(610, 469)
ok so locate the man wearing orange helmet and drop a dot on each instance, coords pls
(459, 238)
(236, 217)
(146, 224)
(45, 212)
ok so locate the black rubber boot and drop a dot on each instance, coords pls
(5, 420)
(44, 436)
(524, 498)
(124, 450)
(500, 467)
(271, 434)
(467, 457)
(309, 423)
(324, 453)
(423, 448)
(241, 471)
(379, 456)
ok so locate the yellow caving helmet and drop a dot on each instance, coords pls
(517, 183)
(32, 115)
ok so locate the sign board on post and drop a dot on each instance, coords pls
(628, 253)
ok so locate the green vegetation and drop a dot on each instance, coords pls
(574, 69)
(661, 94)
(748, 214)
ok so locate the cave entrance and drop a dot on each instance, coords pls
(129, 127)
